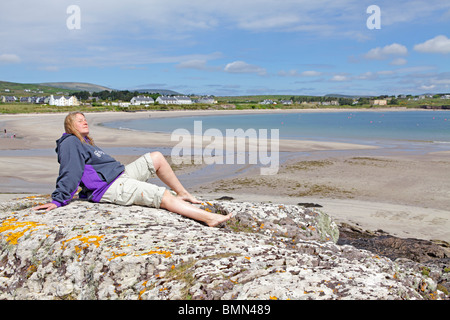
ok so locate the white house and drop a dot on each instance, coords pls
(136, 101)
(206, 100)
(166, 100)
(267, 101)
(62, 101)
(8, 99)
(183, 100)
(174, 100)
(379, 102)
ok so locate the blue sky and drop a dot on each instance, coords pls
(233, 47)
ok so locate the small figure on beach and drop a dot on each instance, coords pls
(104, 179)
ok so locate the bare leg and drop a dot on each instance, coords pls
(166, 174)
(177, 205)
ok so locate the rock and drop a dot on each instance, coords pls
(266, 251)
(433, 256)
(225, 198)
(309, 205)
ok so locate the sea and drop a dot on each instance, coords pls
(406, 133)
(428, 129)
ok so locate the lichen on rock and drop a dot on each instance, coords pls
(266, 251)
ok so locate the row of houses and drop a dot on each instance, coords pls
(63, 101)
(52, 100)
(166, 100)
(269, 101)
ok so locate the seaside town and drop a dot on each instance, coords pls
(95, 98)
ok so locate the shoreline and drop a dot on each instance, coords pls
(415, 207)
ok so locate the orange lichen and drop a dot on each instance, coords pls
(86, 240)
(143, 290)
(115, 255)
(166, 253)
(12, 224)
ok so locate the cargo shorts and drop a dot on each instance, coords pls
(132, 188)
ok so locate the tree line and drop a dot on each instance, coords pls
(124, 95)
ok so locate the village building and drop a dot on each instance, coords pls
(166, 100)
(268, 101)
(141, 100)
(42, 100)
(183, 100)
(62, 101)
(173, 100)
(8, 99)
(205, 100)
(380, 102)
(329, 103)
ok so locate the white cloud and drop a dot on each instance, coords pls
(310, 73)
(398, 62)
(9, 58)
(386, 52)
(270, 22)
(295, 73)
(197, 64)
(49, 68)
(244, 67)
(339, 78)
(425, 87)
(439, 44)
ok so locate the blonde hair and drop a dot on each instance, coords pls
(69, 127)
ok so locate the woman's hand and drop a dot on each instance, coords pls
(48, 206)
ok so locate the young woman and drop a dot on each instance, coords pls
(103, 179)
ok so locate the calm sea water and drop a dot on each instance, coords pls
(363, 127)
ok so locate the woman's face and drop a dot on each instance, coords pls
(81, 125)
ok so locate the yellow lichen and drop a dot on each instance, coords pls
(86, 240)
(115, 255)
(12, 224)
(166, 253)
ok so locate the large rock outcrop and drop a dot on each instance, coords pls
(266, 251)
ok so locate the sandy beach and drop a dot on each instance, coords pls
(401, 193)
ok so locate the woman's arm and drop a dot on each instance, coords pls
(72, 161)
(48, 206)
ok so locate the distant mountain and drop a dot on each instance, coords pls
(334, 95)
(164, 92)
(22, 86)
(77, 86)
(81, 86)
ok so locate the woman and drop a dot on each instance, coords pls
(103, 179)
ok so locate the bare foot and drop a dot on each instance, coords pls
(188, 197)
(217, 219)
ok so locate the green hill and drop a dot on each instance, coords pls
(21, 89)
(76, 86)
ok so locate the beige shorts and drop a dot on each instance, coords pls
(131, 187)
